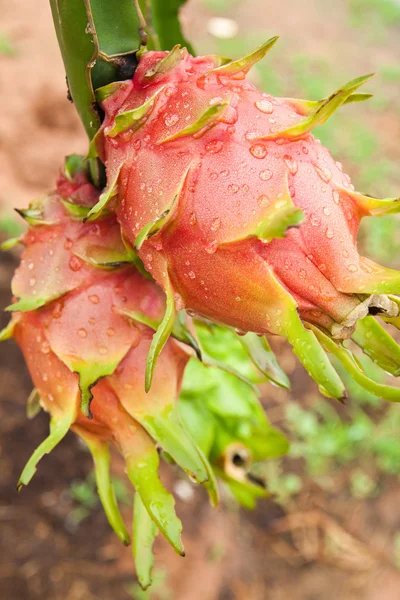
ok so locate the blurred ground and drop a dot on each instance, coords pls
(334, 538)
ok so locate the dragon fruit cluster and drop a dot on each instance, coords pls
(222, 213)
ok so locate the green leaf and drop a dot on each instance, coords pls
(208, 119)
(105, 197)
(135, 118)
(243, 65)
(33, 404)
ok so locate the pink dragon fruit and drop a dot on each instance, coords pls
(84, 318)
(241, 215)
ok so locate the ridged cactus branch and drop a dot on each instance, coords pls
(98, 46)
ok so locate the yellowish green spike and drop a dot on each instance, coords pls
(105, 197)
(167, 429)
(353, 367)
(10, 243)
(378, 344)
(101, 458)
(58, 429)
(310, 352)
(263, 357)
(243, 65)
(104, 92)
(207, 120)
(161, 336)
(28, 304)
(143, 536)
(33, 404)
(164, 218)
(135, 118)
(165, 64)
(143, 473)
(8, 331)
(372, 206)
(307, 107)
(322, 113)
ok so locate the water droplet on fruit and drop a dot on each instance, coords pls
(31, 266)
(170, 120)
(326, 211)
(213, 176)
(323, 173)
(315, 220)
(225, 172)
(238, 298)
(32, 281)
(352, 268)
(251, 135)
(263, 201)
(211, 247)
(336, 196)
(137, 144)
(345, 253)
(82, 332)
(110, 332)
(92, 321)
(45, 347)
(75, 263)
(94, 299)
(214, 146)
(339, 165)
(264, 106)
(305, 150)
(193, 219)
(291, 165)
(266, 175)
(302, 274)
(103, 350)
(68, 244)
(329, 233)
(258, 151)
(192, 275)
(216, 224)
(232, 187)
(215, 100)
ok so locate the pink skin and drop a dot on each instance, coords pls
(232, 180)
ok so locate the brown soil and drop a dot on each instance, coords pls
(326, 546)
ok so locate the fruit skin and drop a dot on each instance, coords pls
(236, 207)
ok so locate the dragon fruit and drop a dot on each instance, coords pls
(241, 215)
(84, 314)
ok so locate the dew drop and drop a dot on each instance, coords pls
(305, 150)
(345, 253)
(110, 332)
(75, 263)
(213, 176)
(258, 151)
(263, 201)
(336, 196)
(31, 266)
(193, 219)
(216, 224)
(92, 321)
(266, 175)
(329, 233)
(94, 299)
(225, 172)
(103, 350)
(82, 332)
(170, 120)
(302, 274)
(238, 298)
(211, 247)
(32, 281)
(214, 146)
(291, 165)
(45, 347)
(323, 173)
(326, 211)
(68, 244)
(233, 188)
(265, 106)
(192, 275)
(315, 220)
(352, 268)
